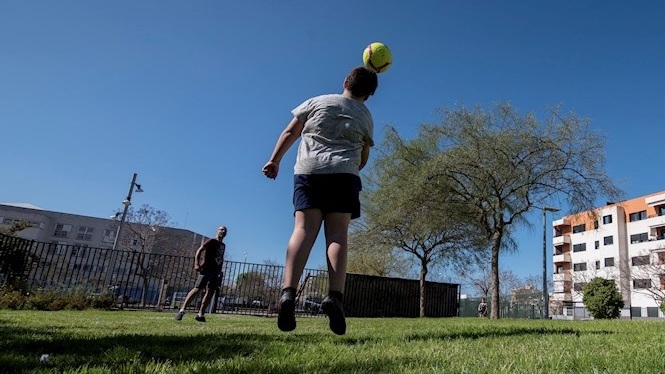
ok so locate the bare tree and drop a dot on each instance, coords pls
(15, 260)
(369, 256)
(647, 273)
(480, 280)
(148, 233)
(15, 227)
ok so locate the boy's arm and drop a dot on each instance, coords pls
(290, 134)
(364, 156)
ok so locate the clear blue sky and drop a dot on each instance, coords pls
(192, 95)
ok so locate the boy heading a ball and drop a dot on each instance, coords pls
(336, 133)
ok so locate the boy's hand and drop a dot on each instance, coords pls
(271, 169)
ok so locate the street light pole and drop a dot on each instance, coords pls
(545, 310)
(127, 202)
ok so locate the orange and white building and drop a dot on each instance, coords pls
(624, 241)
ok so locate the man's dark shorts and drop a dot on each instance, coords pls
(210, 282)
(332, 193)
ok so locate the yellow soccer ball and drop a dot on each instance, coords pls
(377, 57)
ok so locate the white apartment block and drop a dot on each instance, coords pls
(83, 231)
(623, 241)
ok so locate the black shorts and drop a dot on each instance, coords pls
(331, 193)
(207, 281)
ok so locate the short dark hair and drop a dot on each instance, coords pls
(362, 82)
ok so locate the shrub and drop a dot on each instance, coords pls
(10, 299)
(602, 298)
(104, 301)
(43, 300)
(76, 302)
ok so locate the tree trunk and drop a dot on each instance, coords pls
(423, 296)
(496, 245)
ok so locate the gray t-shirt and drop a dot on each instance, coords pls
(335, 130)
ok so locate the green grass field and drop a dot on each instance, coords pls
(151, 342)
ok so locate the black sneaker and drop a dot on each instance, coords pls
(178, 316)
(286, 317)
(334, 309)
(200, 318)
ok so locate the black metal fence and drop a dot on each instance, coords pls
(373, 296)
(159, 281)
(507, 309)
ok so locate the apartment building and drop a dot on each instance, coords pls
(623, 241)
(83, 231)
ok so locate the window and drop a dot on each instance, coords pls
(595, 225)
(641, 283)
(596, 244)
(640, 260)
(639, 238)
(637, 216)
(85, 233)
(661, 258)
(559, 269)
(636, 311)
(109, 236)
(597, 265)
(661, 210)
(608, 240)
(579, 228)
(607, 220)
(558, 232)
(580, 266)
(579, 247)
(579, 286)
(609, 262)
(652, 311)
(62, 231)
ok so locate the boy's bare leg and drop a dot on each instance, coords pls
(336, 230)
(306, 229)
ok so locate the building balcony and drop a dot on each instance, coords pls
(561, 222)
(649, 246)
(561, 296)
(562, 287)
(561, 258)
(563, 277)
(561, 240)
(656, 221)
(655, 200)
